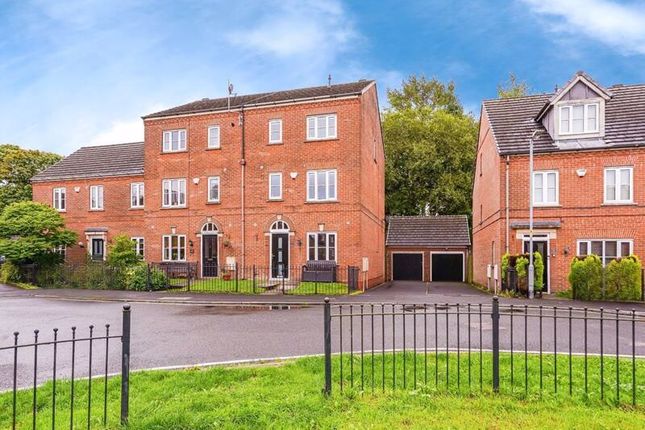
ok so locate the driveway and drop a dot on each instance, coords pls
(426, 292)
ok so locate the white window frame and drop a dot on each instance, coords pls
(279, 176)
(219, 189)
(217, 144)
(139, 245)
(167, 183)
(137, 195)
(618, 184)
(167, 247)
(60, 250)
(315, 119)
(603, 257)
(315, 197)
(272, 122)
(181, 140)
(585, 119)
(98, 189)
(316, 248)
(59, 199)
(542, 175)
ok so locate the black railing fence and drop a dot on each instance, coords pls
(293, 280)
(461, 348)
(74, 388)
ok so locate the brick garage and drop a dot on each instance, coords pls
(428, 249)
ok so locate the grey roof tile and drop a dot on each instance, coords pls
(428, 231)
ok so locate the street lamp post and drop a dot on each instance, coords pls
(531, 274)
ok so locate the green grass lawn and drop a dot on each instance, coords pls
(288, 395)
(324, 288)
(245, 286)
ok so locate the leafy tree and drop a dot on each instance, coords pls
(29, 232)
(122, 252)
(430, 146)
(512, 88)
(17, 167)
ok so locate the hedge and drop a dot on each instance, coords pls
(521, 264)
(618, 280)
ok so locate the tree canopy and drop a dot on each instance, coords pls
(122, 252)
(430, 146)
(17, 167)
(513, 87)
(29, 232)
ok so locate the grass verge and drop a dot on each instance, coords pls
(246, 286)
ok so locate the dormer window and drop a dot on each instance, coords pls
(579, 118)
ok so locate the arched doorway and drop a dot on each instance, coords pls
(279, 232)
(209, 249)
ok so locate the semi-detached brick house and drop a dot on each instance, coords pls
(265, 179)
(588, 182)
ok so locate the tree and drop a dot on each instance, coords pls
(17, 167)
(30, 231)
(122, 252)
(430, 146)
(512, 88)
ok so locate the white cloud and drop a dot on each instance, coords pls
(621, 26)
(120, 132)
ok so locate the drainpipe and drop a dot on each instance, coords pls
(506, 246)
(243, 187)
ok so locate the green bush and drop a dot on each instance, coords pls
(122, 252)
(585, 277)
(9, 272)
(522, 267)
(137, 278)
(623, 279)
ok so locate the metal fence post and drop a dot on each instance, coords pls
(327, 316)
(642, 285)
(125, 365)
(237, 279)
(254, 279)
(148, 286)
(495, 316)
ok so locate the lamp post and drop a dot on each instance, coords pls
(531, 280)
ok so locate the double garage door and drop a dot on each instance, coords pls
(445, 267)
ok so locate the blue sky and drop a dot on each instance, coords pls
(75, 73)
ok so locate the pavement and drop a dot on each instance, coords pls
(181, 329)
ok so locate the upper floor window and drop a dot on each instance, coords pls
(545, 188)
(136, 195)
(321, 127)
(174, 140)
(275, 131)
(139, 245)
(174, 193)
(579, 118)
(59, 196)
(96, 197)
(321, 185)
(213, 189)
(213, 137)
(174, 247)
(618, 185)
(607, 250)
(275, 186)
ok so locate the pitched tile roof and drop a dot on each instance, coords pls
(512, 120)
(277, 97)
(123, 159)
(428, 231)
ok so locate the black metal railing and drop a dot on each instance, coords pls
(74, 379)
(289, 280)
(516, 349)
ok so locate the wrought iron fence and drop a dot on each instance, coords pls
(523, 350)
(289, 280)
(81, 391)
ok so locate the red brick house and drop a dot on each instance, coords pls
(272, 180)
(589, 166)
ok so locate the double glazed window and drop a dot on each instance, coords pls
(545, 188)
(59, 196)
(174, 140)
(322, 246)
(275, 186)
(96, 197)
(136, 195)
(213, 137)
(579, 118)
(618, 185)
(607, 250)
(275, 131)
(174, 247)
(321, 127)
(174, 193)
(213, 189)
(138, 243)
(321, 185)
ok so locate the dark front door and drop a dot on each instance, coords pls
(280, 255)
(447, 267)
(407, 267)
(98, 249)
(542, 247)
(209, 255)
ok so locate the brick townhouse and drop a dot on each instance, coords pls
(589, 171)
(272, 180)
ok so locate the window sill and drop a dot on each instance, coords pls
(619, 204)
(173, 207)
(96, 210)
(331, 139)
(546, 205)
(213, 203)
(173, 152)
(138, 208)
(219, 148)
(319, 202)
(61, 211)
(275, 200)
(276, 143)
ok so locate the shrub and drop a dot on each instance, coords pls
(522, 267)
(122, 252)
(623, 279)
(9, 272)
(585, 277)
(137, 278)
